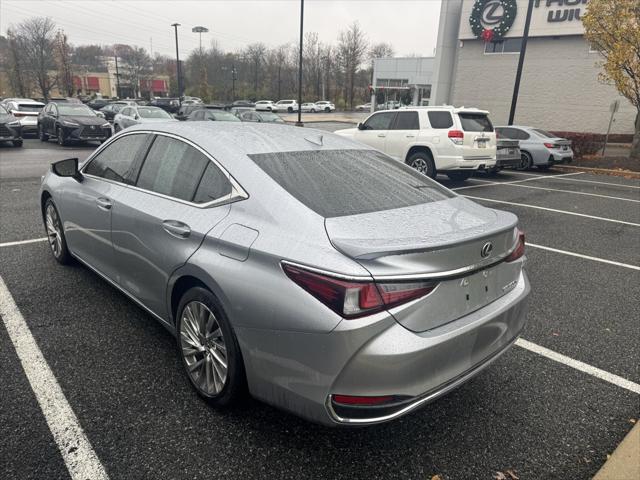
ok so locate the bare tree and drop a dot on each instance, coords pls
(62, 53)
(14, 65)
(37, 36)
(255, 53)
(352, 48)
(137, 64)
(381, 50)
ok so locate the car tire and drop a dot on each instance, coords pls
(268, 109)
(313, 110)
(327, 110)
(60, 137)
(198, 315)
(423, 162)
(41, 135)
(17, 143)
(55, 233)
(492, 172)
(459, 176)
(526, 161)
(290, 110)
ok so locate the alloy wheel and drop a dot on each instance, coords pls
(203, 348)
(54, 230)
(421, 165)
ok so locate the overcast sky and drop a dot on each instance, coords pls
(410, 26)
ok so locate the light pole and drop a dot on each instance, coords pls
(178, 69)
(523, 51)
(117, 76)
(299, 122)
(200, 31)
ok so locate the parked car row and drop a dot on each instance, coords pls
(457, 141)
(290, 106)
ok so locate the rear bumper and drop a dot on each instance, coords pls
(301, 372)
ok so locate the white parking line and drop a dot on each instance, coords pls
(23, 242)
(79, 457)
(581, 366)
(487, 183)
(518, 183)
(551, 177)
(586, 257)
(593, 217)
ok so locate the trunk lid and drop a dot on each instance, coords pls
(444, 241)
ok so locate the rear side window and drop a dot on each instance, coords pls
(380, 121)
(120, 160)
(407, 121)
(172, 168)
(440, 119)
(353, 181)
(30, 107)
(213, 185)
(475, 122)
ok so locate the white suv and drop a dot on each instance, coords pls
(455, 141)
(325, 106)
(287, 106)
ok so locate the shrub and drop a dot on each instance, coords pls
(583, 143)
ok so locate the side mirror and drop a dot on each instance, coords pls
(67, 168)
(361, 126)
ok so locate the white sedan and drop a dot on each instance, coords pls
(131, 115)
(325, 106)
(309, 107)
(266, 106)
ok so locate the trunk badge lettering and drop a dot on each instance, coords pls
(487, 248)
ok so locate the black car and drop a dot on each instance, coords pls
(239, 104)
(171, 105)
(10, 128)
(71, 122)
(109, 111)
(186, 110)
(98, 103)
(212, 114)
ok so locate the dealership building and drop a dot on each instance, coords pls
(476, 59)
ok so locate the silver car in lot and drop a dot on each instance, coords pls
(538, 148)
(136, 115)
(322, 275)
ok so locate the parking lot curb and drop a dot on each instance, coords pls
(624, 462)
(601, 171)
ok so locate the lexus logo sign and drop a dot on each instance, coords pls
(493, 13)
(487, 248)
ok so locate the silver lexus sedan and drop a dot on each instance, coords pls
(317, 273)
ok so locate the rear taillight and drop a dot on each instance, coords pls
(550, 145)
(519, 250)
(18, 114)
(456, 136)
(356, 299)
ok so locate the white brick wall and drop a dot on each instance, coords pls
(559, 89)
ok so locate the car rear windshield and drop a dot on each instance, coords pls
(543, 133)
(147, 112)
(30, 107)
(336, 183)
(475, 122)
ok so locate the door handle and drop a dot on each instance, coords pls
(410, 136)
(104, 203)
(176, 228)
(382, 135)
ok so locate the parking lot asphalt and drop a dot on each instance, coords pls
(533, 415)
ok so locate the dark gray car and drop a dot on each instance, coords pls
(328, 278)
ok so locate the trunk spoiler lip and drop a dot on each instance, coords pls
(442, 275)
(433, 248)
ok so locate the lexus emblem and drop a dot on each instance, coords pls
(487, 248)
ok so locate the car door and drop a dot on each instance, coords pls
(50, 119)
(375, 129)
(87, 208)
(402, 134)
(127, 117)
(159, 224)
